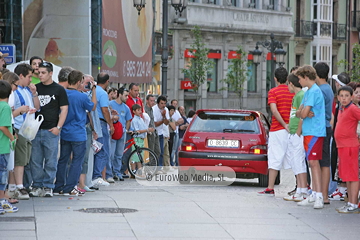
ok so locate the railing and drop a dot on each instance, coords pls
(158, 43)
(325, 29)
(304, 29)
(339, 31)
(355, 19)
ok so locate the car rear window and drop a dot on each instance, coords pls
(225, 122)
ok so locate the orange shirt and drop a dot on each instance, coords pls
(345, 131)
(281, 96)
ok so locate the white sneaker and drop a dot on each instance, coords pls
(11, 193)
(21, 194)
(297, 197)
(48, 192)
(319, 203)
(110, 180)
(307, 202)
(99, 182)
(342, 208)
(36, 192)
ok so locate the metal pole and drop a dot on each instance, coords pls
(272, 81)
(164, 55)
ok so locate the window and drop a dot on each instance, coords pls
(212, 77)
(252, 4)
(322, 53)
(315, 9)
(233, 3)
(230, 122)
(322, 10)
(251, 82)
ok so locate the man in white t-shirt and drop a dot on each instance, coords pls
(161, 119)
(178, 120)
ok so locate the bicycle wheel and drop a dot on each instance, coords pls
(142, 163)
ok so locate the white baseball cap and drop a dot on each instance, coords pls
(335, 77)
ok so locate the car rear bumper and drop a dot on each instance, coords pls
(240, 163)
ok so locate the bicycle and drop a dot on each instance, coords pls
(142, 162)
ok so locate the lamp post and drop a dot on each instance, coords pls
(179, 6)
(275, 47)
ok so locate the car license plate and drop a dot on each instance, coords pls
(223, 143)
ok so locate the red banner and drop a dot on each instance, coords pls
(127, 41)
(215, 54)
(186, 85)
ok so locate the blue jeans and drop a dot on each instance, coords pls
(161, 157)
(117, 151)
(4, 158)
(68, 170)
(43, 162)
(174, 152)
(101, 159)
(85, 165)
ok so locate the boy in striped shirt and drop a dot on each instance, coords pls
(279, 99)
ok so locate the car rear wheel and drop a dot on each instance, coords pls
(263, 180)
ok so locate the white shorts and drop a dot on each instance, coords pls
(277, 147)
(295, 154)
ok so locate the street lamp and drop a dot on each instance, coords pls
(139, 4)
(256, 55)
(179, 6)
(275, 47)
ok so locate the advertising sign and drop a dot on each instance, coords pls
(9, 49)
(58, 31)
(127, 41)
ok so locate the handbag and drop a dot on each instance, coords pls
(31, 126)
(118, 130)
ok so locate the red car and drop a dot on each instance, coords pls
(226, 137)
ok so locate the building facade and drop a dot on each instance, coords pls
(225, 26)
(320, 33)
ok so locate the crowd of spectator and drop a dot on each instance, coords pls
(77, 148)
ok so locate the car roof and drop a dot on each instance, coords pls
(228, 111)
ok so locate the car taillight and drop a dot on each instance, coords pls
(188, 147)
(258, 149)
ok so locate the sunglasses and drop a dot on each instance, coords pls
(16, 85)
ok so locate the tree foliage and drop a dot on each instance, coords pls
(199, 65)
(237, 73)
(354, 72)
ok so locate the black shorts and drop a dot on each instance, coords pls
(325, 161)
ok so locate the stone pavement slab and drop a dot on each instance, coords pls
(186, 212)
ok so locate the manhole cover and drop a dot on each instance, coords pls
(107, 210)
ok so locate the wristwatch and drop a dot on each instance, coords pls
(58, 128)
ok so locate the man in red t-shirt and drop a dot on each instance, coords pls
(279, 99)
(133, 97)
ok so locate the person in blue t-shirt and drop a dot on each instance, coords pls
(322, 71)
(73, 136)
(119, 107)
(313, 130)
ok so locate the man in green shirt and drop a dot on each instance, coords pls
(35, 62)
(295, 150)
(7, 141)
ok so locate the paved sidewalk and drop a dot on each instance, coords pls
(231, 212)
